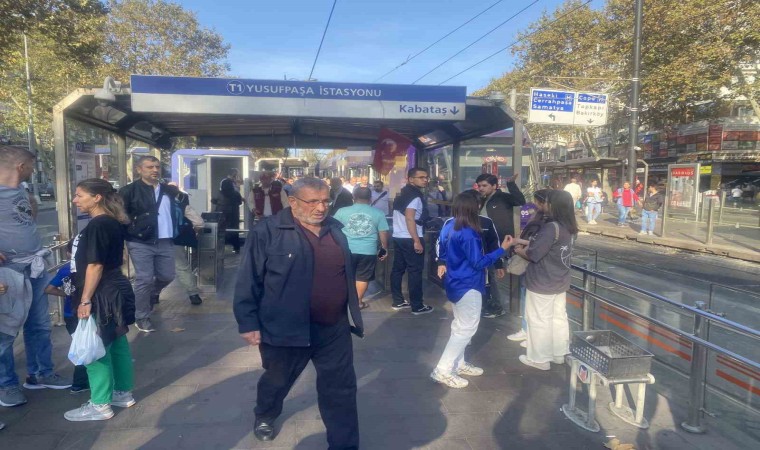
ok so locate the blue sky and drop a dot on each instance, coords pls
(272, 39)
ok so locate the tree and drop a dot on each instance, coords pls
(691, 55)
(156, 37)
(73, 25)
(137, 36)
(313, 156)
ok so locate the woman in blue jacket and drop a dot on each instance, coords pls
(465, 283)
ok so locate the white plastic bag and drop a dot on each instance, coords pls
(86, 345)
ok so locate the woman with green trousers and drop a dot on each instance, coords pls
(105, 293)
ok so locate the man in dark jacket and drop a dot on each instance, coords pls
(295, 297)
(339, 196)
(151, 207)
(499, 207)
(651, 207)
(228, 203)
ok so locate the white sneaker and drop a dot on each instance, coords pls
(650, 233)
(593, 222)
(540, 366)
(519, 336)
(89, 411)
(468, 369)
(524, 344)
(642, 232)
(122, 399)
(450, 380)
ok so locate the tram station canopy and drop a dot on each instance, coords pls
(223, 112)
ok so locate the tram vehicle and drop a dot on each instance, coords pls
(286, 167)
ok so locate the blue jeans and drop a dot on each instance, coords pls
(37, 343)
(623, 210)
(8, 376)
(594, 209)
(648, 220)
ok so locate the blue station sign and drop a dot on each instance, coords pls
(161, 94)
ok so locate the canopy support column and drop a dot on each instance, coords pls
(62, 174)
(455, 175)
(121, 159)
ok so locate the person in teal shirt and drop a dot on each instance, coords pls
(363, 225)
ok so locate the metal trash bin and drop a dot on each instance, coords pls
(604, 357)
(211, 252)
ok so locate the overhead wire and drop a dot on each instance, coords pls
(477, 40)
(687, 19)
(518, 41)
(436, 42)
(324, 33)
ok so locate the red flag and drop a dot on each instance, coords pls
(389, 145)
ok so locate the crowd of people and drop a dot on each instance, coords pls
(632, 203)
(304, 271)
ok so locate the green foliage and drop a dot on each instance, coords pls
(76, 43)
(152, 37)
(691, 51)
(73, 25)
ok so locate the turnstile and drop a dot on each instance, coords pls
(211, 253)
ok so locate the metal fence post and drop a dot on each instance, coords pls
(664, 214)
(722, 206)
(697, 375)
(710, 217)
(588, 302)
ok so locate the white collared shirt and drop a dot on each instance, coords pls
(165, 227)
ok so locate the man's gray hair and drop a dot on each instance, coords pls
(308, 183)
(10, 156)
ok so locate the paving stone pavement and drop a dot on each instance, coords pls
(196, 385)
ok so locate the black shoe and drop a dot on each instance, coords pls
(424, 310)
(263, 430)
(196, 299)
(493, 314)
(401, 306)
(154, 300)
(144, 325)
(79, 389)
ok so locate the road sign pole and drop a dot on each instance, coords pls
(633, 132)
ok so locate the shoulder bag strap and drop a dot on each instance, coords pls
(378, 198)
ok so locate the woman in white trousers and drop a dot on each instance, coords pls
(547, 279)
(460, 246)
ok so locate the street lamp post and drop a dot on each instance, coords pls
(32, 150)
(633, 131)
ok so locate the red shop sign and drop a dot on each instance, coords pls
(682, 172)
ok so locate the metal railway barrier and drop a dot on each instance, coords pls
(58, 250)
(672, 343)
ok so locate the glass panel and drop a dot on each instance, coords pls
(91, 151)
(439, 192)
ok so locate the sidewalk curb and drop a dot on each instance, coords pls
(677, 243)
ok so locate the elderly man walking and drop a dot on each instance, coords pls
(23, 302)
(295, 298)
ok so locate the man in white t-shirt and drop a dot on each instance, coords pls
(593, 202)
(380, 197)
(736, 195)
(409, 216)
(574, 189)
